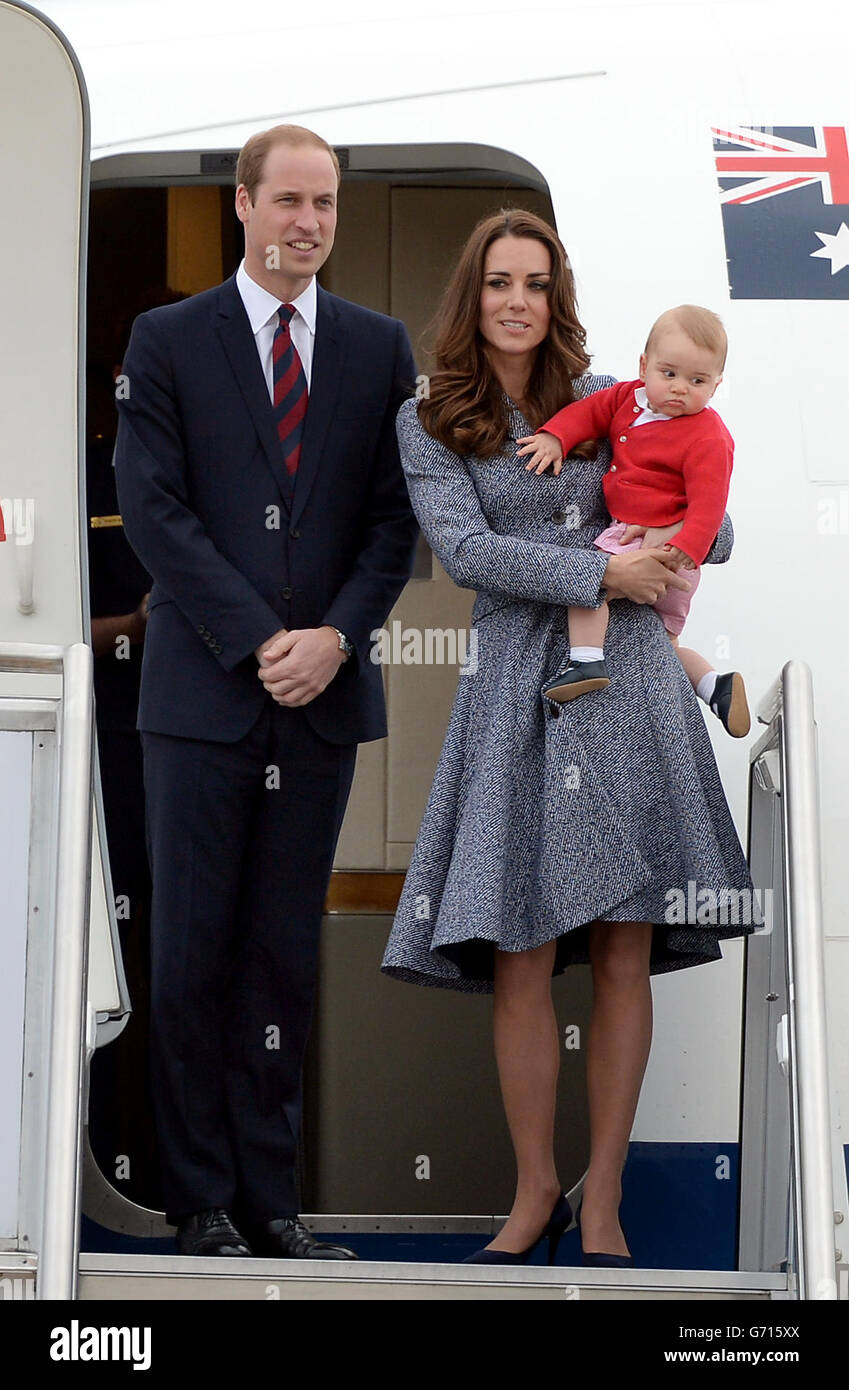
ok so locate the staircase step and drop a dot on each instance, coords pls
(130, 1277)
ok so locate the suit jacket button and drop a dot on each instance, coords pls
(295, 533)
(623, 438)
(217, 648)
(286, 593)
(201, 629)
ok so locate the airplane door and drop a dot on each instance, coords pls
(44, 159)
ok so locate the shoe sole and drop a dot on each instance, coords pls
(562, 693)
(739, 719)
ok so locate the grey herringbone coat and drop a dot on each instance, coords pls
(539, 823)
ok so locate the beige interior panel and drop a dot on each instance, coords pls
(363, 834)
(429, 230)
(358, 268)
(395, 249)
(402, 1107)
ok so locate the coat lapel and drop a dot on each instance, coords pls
(324, 390)
(238, 341)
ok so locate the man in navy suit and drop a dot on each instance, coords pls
(260, 485)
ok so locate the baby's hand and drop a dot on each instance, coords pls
(544, 451)
(633, 533)
(684, 561)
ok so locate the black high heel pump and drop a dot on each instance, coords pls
(561, 1220)
(600, 1259)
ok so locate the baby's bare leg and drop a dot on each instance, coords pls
(585, 670)
(694, 664)
(588, 626)
(726, 694)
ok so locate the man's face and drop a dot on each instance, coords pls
(290, 226)
(680, 376)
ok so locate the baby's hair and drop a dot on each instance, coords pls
(703, 326)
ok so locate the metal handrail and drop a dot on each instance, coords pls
(814, 1201)
(58, 1255)
(788, 709)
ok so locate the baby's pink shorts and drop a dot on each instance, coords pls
(674, 605)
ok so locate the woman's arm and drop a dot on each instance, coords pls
(449, 512)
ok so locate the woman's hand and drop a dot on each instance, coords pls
(642, 575)
(544, 450)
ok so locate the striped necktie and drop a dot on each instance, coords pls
(290, 391)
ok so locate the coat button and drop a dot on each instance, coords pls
(553, 710)
(623, 438)
(558, 516)
(286, 593)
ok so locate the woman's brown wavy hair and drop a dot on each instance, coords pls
(465, 408)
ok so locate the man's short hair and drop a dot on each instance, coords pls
(702, 326)
(251, 162)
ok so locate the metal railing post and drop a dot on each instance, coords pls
(58, 1255)
(809, 1034)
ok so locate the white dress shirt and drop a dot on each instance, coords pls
(648, 416)
(262, 309)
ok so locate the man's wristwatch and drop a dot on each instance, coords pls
(345, 644)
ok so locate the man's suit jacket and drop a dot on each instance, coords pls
(236, 549)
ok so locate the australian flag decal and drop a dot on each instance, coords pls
(785, 210)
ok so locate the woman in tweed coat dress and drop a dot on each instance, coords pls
(552, 834)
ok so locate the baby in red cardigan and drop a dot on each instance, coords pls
(669, 477)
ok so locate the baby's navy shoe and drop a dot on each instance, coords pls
(729, 704)
(576, 678)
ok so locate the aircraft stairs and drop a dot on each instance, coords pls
(786, 1248)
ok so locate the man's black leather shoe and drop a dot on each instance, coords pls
(289, 1239)
(210, 1232)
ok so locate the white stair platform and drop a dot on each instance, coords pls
(174, 1278)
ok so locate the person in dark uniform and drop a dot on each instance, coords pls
(119, 1107)
(121, 1131)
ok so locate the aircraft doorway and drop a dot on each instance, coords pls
(163, 226)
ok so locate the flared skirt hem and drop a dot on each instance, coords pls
(467, 966)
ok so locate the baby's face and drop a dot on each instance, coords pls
(680, 377)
